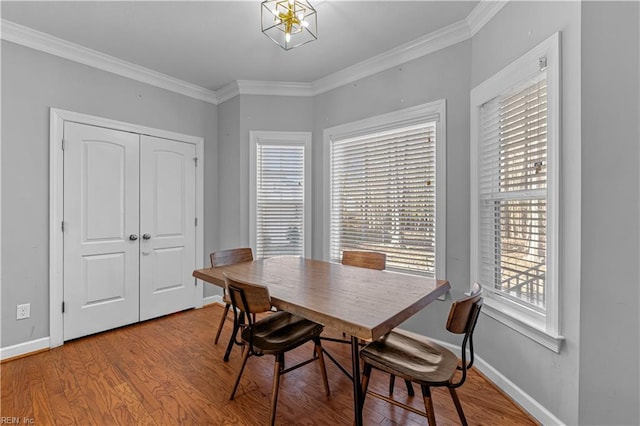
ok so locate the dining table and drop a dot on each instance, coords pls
(363, 303)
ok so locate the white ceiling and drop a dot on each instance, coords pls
(213, 43)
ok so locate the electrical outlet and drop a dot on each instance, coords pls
(23, 311)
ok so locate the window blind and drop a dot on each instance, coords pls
(383, 197)
(279, 200)
(512, 193)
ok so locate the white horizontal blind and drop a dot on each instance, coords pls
(383, 197)
(512, 193)
(279, 200)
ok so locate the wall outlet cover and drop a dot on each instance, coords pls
(23, 311)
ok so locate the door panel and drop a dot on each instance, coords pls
(103, 196)
(101, 210)
(103, 278)
(167, 215)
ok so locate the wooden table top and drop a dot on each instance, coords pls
(361, 302)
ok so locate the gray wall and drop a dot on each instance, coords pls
(229, 175)
(550, 378)
(32, 82)
(238, 116)
(609, 334)
(267, 113)
(228, 172)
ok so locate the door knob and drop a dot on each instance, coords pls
(133, 237)
(146, 237)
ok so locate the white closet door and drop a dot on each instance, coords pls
(167, 226)
(101, 217)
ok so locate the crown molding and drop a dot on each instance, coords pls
(253, 87)
(55, 46)
(482, 13)
(227, 92)
(282, 88)
(429, 43)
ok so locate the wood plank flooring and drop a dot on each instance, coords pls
(168, 372)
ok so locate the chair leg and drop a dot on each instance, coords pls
(428, 405)
(323, 369)
(229, 347)
(224, 317)
(392, 383)
(456, 401)
(244, 362)
(409, 388)
(276, 385)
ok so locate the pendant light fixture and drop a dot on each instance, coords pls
(289, 23)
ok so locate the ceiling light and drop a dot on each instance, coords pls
(289, 23)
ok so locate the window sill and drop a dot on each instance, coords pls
(507, 315)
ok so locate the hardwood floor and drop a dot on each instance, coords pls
(167, 372)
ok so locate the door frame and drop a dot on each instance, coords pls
(57, 118)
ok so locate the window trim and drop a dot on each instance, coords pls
(544, 329)
(428, 112)
(280, 138)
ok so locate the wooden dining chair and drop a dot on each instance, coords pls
(416, 358)
(274, 335)
(378, 261)
(223, 258)
(365, 259)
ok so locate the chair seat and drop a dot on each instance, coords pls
(411, 357)
(281, 332)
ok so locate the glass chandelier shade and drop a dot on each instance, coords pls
(289, 23)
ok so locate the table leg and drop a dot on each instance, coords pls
(355, 370)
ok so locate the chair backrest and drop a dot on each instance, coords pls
(364, 259)
(464, 312)
(247, 297)
(231, 256)
(463, 316)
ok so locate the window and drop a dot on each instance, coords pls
(385, 187)
(515, 139)
(280, 199)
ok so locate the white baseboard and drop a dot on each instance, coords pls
(212, 299)
(24, 348)
(530, 405)
(44, 343)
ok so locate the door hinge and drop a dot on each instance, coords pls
(196, 221)
(63, 144)
(62, 226)
(195, 160)
(63, 307)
